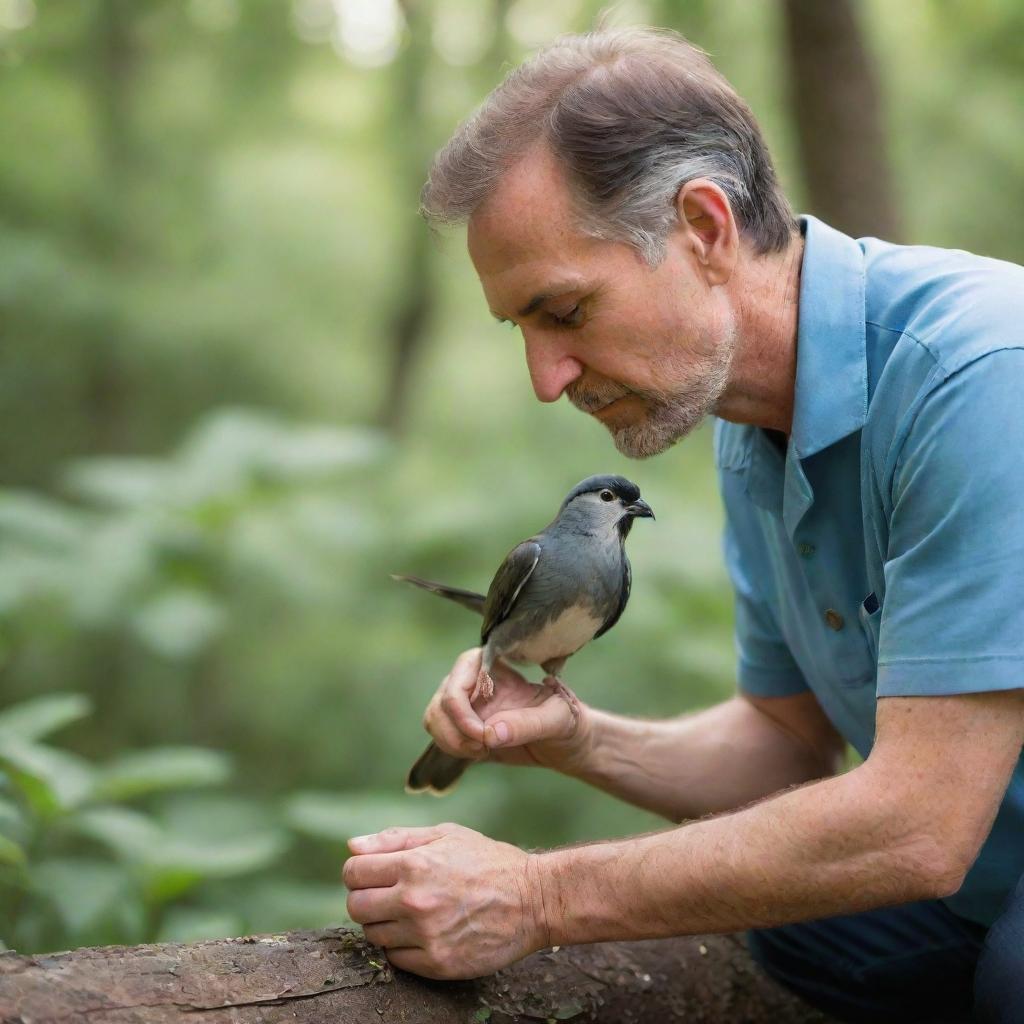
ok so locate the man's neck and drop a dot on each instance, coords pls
(762, 380)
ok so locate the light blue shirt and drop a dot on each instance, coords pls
(882, 554)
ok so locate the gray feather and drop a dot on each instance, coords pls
(435, 771)
(627, 586)
(467, 598)
(512, 575)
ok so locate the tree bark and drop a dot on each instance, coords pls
(837, 110)
(334, 976)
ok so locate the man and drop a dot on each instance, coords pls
(623, 211)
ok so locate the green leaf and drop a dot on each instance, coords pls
(33, 719)
(118, 561)
(82, 890)
(130, 834)
(234, 448)
(51, 780)
(339, 816)
(171, 863)
(213, 815)
(39, 523)
(222, 859)
(163, 886)
(12, 821)
(309, 452)
(118, 481)
(10, 852)
(162, 768)
(181, 863)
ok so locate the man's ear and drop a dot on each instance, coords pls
(708, 229)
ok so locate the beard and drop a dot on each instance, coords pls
(669, 414)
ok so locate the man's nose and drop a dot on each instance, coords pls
(552, 368)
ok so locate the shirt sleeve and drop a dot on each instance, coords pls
(952, 619)
(765, 666)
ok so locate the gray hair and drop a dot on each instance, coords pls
(632, 115)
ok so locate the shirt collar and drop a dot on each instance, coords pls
(831, 397)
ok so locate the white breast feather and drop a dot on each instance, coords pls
(560, 637)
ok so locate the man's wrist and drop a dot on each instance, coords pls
(574, 908)
(542, 884)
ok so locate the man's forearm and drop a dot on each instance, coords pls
(713, 760)
(834, 846)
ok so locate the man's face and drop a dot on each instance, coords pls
(645, 350)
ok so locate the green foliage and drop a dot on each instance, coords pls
(38, 718)
(80, 863)
(61, 812)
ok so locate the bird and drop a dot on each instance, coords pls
(554, 593)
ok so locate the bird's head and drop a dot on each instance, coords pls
(604, 503)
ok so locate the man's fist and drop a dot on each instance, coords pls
(445, 901)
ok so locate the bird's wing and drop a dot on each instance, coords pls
(507, 584)
(627, 583)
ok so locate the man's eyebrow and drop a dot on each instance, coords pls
(538, 300)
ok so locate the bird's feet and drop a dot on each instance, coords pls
(566, 694)
(484, 687)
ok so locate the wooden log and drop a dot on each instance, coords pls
(333, 977)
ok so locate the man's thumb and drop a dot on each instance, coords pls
(516, 727)
(395, 839)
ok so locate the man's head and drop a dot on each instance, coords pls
(611, 184)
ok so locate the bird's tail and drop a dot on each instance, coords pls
(435, 772)
(467, 598)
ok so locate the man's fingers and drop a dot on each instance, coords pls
(412, 959)
(455, 693)
(391, 840)
(369, 870)
(515, 727)
(451, 741)
(369, 906)
(389, 933)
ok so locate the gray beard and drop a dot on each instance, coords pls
(671, 415)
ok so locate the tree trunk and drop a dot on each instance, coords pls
(316, 977)
(414, 293)
(837, 109)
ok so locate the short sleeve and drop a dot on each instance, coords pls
(765, 666)
(953, 614)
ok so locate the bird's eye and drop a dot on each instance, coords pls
(607, 496)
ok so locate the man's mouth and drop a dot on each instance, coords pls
(593, 403)
(607, 408)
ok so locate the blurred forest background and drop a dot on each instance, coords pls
(240, 384)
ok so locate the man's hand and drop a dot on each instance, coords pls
(445, 901)
(522, 723)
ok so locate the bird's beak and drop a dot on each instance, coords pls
(640, 510)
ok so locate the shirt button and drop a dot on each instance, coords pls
(805, 550)
(833, 619)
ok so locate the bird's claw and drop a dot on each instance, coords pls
(484, 687)
(566, 694)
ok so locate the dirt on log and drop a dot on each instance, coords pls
(333, 977)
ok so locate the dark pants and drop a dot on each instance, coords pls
(914, 963)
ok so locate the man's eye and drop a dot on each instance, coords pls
(570, 319)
